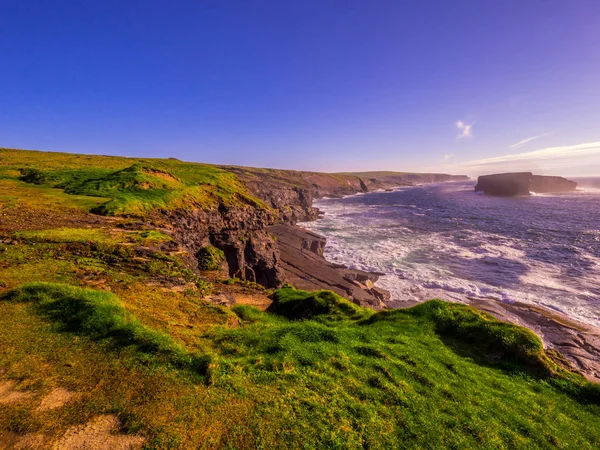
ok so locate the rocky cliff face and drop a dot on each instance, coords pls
(304, 266)
(250, 251)
(522, 183)
(505, 184)
(261, 245)
(544, 184)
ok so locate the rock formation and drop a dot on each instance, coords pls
(522, 183)
(261, 244)
(303, 266)
(542, 184)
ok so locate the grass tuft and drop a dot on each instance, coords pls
(319, 305)
(210, 258)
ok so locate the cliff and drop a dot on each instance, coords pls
(522, 183)
(407, 178)
(505, 184)
(132, 326)
(204, 207)
(292, 192)
(545, 184)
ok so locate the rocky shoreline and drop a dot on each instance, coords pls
(304, 267)
(268, 247)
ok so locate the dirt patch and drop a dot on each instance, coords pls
(31, 441)
(259, 301)
(8, 394)
(98, 435)
(55, 399)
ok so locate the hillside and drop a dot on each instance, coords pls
(143, 305)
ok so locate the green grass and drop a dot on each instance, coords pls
(210, 258)
(131, 186)
(94, 235)
(314, 371)
(438, 375)
(101, 316)
(62, 235)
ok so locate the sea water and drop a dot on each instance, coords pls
(446, 241)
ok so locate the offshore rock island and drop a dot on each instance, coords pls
(522, 183)
(167, 292)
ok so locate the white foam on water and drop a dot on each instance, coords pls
(421, 266)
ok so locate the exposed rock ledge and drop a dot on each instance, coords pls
(522, 183)
(303, 264)
(578, 343)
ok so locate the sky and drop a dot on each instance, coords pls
(470, 87)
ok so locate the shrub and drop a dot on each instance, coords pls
(210, 258)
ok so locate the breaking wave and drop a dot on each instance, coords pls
(444, 241)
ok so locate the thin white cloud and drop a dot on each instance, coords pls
(529, 139)
(569, 159)
(466, 130)
(448, 156)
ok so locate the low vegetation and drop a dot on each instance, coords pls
(114, 312)
(315, 372)
(129, 186)
(210, 258)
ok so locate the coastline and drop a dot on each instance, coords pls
(573, 343)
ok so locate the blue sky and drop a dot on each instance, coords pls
(330, 85)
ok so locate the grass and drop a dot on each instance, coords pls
(111, 309)
(130, 186)
(346, 377)
(101, 316)
(210, 258)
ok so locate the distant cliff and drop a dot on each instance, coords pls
(292, 192)
(522, 183)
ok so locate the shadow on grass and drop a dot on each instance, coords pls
(100, 316)
(490, 342)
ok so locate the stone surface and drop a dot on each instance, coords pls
(307, 269)
(522, 183)
(505, 184)
(544, 184)
(577, 342)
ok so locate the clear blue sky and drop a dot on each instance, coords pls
(326, 85)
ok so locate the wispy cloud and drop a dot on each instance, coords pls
(448, 156)
(466, 130)
(529, 139)
(568, 157)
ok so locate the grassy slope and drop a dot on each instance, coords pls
(129, 186)
(143, 344)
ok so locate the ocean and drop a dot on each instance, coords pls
(445, 241)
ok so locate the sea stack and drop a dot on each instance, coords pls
(522, 183)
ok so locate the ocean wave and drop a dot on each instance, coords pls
(469, 256)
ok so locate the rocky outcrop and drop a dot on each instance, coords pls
(257, 250)
(303, 265)
(505, 184)
(251, 253)
(579, 344)
(292, 192)
(522, 183)
(393, 179)
(543, 184)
